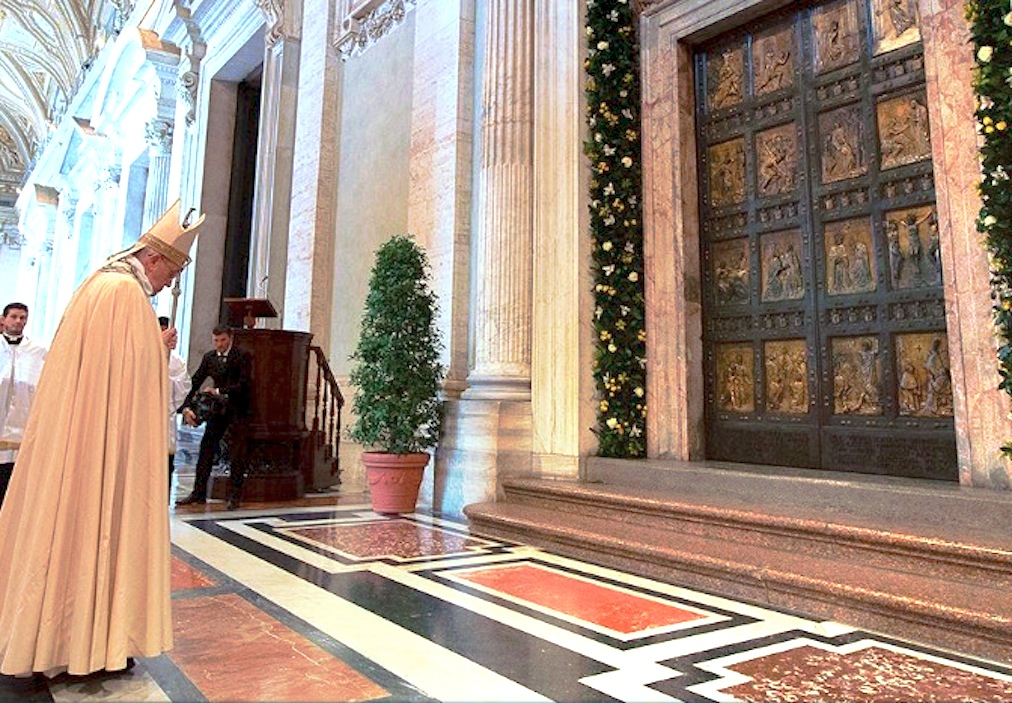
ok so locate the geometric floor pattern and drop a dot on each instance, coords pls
(341, 604)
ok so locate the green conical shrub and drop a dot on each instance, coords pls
(396, 371)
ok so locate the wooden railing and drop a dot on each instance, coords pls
(327, 402)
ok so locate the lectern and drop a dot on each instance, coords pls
(287, 455)
(249, 310)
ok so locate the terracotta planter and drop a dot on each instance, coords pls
(394, 480)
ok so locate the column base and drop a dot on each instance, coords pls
(497, 388)
(483, 442)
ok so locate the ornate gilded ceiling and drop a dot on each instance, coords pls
(44, 47)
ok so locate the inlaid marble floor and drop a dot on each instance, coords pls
(337, 603)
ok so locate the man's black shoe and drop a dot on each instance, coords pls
(233, 503)
(192, 499)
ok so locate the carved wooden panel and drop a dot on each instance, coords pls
(850, 262)
(903, 131)
(786, 364)
(857, 370)
(836, 36)
(735, 378)
(922, 365)
(782, 274)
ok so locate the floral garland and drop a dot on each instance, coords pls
(613, 148)
(991, 33)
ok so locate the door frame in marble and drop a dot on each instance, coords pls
(671, 237)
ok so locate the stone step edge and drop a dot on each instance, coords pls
(909, 605)
(906, 544)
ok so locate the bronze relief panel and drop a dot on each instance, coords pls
(903, 130)
(731, 277)
(857, 370)
(727, 172)
(725, 78)
(773, 61)
(894, 23)
(842, 153)
(850, 260)
(735, 378)
(912, 240)
(777, 159)
(782, 275)
(786, 364)
(925, 386)
(836, 37)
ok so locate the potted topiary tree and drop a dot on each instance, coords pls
(397, 376)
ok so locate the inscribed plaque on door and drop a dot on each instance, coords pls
(922, 370)
(735, 378)
(776, 159)
(842, 151)
(912, 240)
(782, 275)
(850, 257)
(773, 61)
(894, 23)
(903, 133)
(725, 77)
(786, 364)
(857, 370)
(731, 277)
(727, 172)
(835, 36)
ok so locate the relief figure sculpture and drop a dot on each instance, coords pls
(734, 378)
(925, 383)
(731, 273)
(850, 267)
(894, 24)
(727, 172)
(786, 377)
(727, 83)
(856, 376)
(834, 30)
(904, 135)
(772, 56)
(842, 156)
(912, 264)
(777, 161)
(783, 278)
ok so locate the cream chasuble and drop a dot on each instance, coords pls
(84, 530)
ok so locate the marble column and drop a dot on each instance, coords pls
(273, 186)
(309, 285)
(158, 135)
(487, 433)
(503, 272)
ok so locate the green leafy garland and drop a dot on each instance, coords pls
(613, 148)
(991, 32)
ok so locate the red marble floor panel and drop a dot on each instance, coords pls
(232, 651)
(389, 538)
(596, 603)
(185, 576)
(876, 674)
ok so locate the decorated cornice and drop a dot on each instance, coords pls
(367, 22)
(274, 14)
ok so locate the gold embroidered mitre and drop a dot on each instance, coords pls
(170, 238)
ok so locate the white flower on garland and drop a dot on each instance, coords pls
(608, 69)
(985, 53)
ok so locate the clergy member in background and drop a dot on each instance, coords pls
(20, 365)
(179, 387)
(84, 552)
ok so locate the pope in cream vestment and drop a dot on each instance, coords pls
(84, 530)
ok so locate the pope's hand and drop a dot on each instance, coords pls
(189, 417)
(169, 337)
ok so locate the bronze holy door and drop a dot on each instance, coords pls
(824, 319)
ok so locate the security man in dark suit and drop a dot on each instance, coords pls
(226, 408)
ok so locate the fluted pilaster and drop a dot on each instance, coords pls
(158, 134)
(503, 284)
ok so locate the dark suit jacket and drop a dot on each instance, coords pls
(233, 378)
